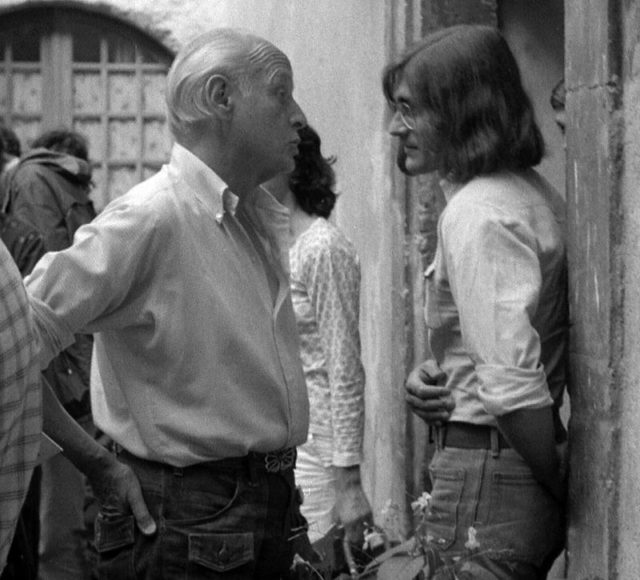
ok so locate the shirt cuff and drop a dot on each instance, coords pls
(52, 338)
(346, 459)
(506, 389)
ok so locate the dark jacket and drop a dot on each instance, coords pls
(50, 192)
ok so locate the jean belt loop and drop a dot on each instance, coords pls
(495, 442)
(440, 437)
(252, 467)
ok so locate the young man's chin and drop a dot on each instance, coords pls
(408, 165)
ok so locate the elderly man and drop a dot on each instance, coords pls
(195, 373)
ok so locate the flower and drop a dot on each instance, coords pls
(472, 543)
(421, 505)
(373, 539)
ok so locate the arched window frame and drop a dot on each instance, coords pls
(67, 67)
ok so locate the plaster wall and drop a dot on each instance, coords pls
(535, 33)
(598, 294)
(629, 480)
(337, 50)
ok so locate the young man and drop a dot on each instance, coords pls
(195, 374)
(496, 307)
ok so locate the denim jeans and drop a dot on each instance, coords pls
(228, 523)
(489, 519)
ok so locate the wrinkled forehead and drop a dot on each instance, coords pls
(269, 61)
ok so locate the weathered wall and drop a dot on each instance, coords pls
(628, 525)
(597, 268)
(535, 33)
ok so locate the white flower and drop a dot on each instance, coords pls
(421, 505)
(373, 538)
(389, 509)
(472, 543)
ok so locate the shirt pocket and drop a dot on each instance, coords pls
(432, 313)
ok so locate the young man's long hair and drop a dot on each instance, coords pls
(467, 79)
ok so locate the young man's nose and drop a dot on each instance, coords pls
(396, 125)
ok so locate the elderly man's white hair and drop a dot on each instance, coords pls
(235, 54)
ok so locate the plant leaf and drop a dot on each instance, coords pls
(401, 568)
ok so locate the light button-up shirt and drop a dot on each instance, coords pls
(496, 302)
(193, 359)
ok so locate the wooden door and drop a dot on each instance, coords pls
(61, 67)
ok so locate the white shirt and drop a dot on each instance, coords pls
(496, 303)
(194, 358)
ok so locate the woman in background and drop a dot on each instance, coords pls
(325, 287)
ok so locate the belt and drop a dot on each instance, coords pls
(271, 462)
(470, 436)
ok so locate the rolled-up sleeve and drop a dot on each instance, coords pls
(77, 290)
(495, 279)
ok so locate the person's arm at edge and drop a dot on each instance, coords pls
(531, 433)
(112, 481)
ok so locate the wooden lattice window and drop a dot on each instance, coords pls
(61, 67)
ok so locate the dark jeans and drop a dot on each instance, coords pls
(229, 519)
(22, 561)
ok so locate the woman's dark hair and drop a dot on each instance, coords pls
(313, 178)
(558, 96)
(467, 79)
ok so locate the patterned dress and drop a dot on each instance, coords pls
(325, 285)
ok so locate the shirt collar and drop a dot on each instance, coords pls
(449, 188)
(204, 180)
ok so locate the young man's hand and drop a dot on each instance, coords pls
(426, 395)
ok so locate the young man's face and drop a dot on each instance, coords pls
(267, 120)
(416, 136)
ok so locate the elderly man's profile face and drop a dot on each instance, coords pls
(267, 119)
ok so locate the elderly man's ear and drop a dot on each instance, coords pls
(218, 92)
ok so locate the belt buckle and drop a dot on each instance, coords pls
(276, 461)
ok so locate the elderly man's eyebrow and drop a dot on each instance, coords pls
(280, 77)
